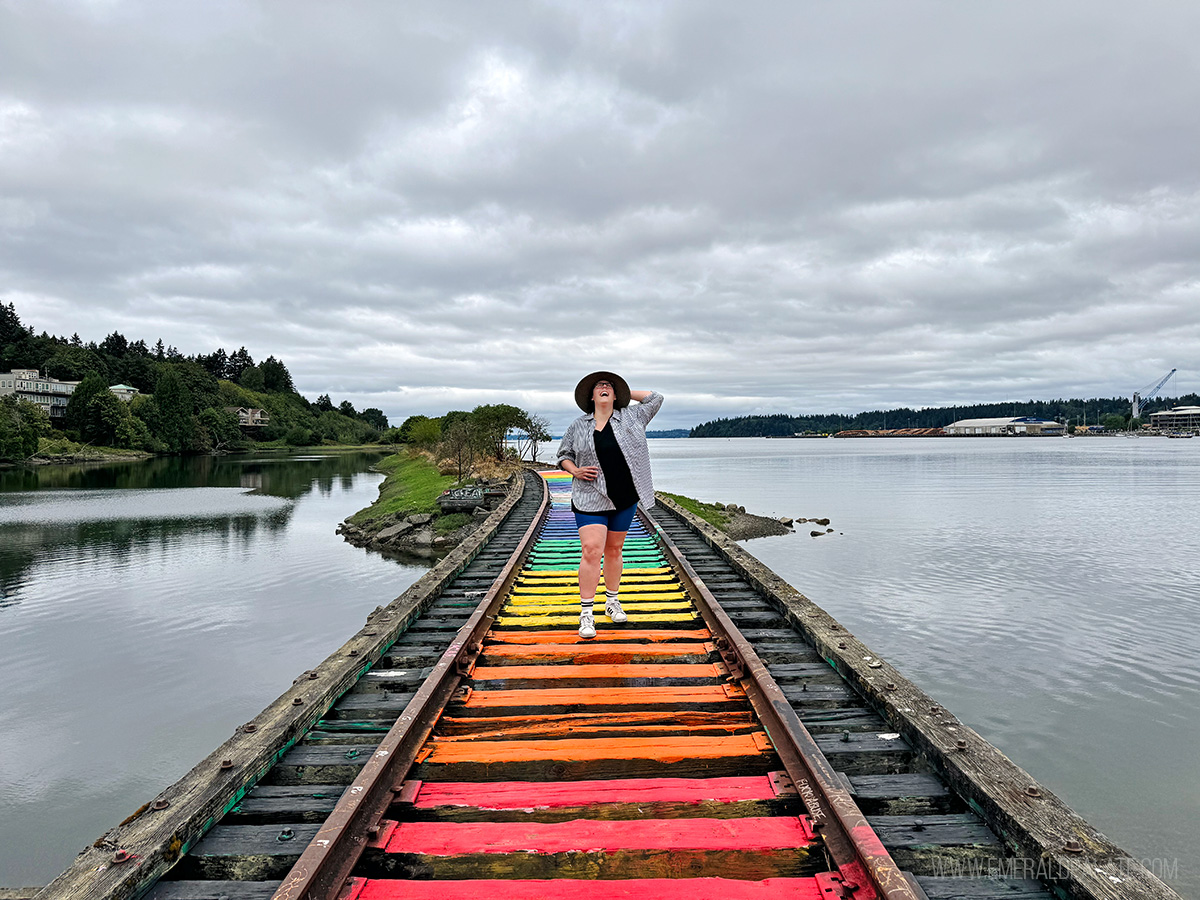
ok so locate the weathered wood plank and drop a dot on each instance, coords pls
(247, 852)
(903, 794)
(935, 844)
(320, 764)
(369, 705)
(213, 890)
(268, 804)
(981, 888)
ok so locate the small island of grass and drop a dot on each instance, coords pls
(731, 519)
(405, 518)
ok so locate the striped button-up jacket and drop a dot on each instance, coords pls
(629, 427)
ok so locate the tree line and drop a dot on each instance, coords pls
(183, 404)
(1112, 412)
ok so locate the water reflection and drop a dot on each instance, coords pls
(276, 475)
(148, 608)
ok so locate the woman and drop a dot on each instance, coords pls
(605, 452)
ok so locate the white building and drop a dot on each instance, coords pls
(1004, 427)
(1181, 418)
(124, 391)
(50, 394)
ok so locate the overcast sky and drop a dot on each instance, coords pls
(751, 207)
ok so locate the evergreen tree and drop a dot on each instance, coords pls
(238, 363)
(252, 379)
(276, 378)
(176, 428)
(217, 364)
(202, 387)
(11, 329)
(375, 418)
(115, 345)
(76, 363)
(76, 415)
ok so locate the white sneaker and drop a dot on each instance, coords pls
(587, 625)
(612, 609)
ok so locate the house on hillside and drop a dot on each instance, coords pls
(250, 417)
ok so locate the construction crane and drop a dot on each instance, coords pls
(1149, 392)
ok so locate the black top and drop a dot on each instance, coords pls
(616, 471)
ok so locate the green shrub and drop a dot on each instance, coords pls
(298, 437)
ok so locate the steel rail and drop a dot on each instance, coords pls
(326, 863)
(863, 863)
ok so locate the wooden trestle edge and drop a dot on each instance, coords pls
(1034, 823)
(127, 859)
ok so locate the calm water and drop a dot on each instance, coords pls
(148, 609)
(1045, 590)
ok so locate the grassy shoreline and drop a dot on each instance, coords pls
(411, 484)
(711, 513)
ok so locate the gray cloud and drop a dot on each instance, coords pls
(780, 207)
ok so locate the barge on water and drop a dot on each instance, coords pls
(731, 740)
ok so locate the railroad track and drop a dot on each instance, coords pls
(705, 749)
(659, 759)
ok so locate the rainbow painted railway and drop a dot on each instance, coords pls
(729, 741)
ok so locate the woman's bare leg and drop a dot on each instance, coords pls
(591, 539)
(614, 560)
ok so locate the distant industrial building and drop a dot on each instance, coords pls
(50, 394)
(1022, 426)
(1181, 418)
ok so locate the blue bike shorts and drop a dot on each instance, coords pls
(613, 520)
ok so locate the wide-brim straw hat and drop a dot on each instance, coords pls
(583, 390)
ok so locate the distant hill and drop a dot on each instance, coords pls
(782, 424)
(672, 433)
